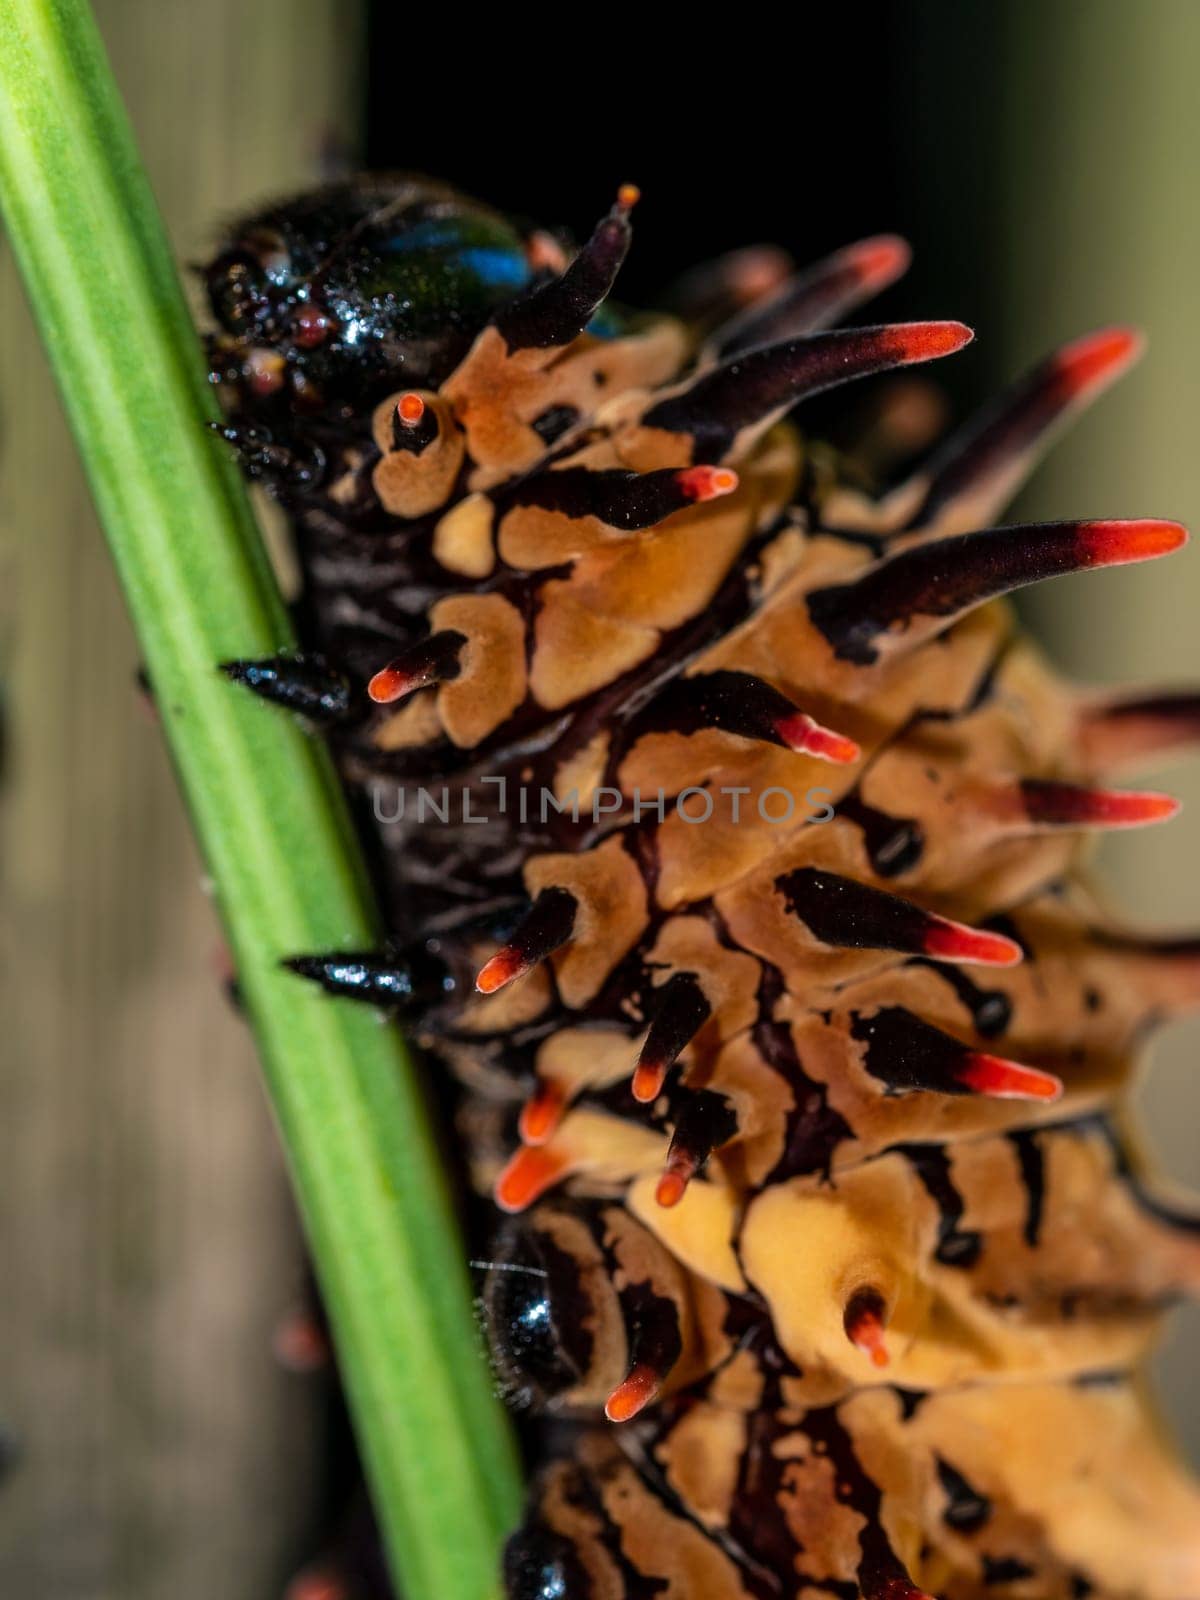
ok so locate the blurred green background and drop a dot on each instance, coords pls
(1041, 157)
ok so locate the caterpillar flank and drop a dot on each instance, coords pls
(733, 843)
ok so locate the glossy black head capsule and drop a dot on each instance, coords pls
(337, 293)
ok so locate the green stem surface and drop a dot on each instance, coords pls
(264, 798)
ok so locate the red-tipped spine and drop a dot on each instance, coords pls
(505, 967)
(672, 1185)
(752, 389)
(999, 1079)
(410, 408)
(1088, 365)
(806, 736)
(542, 1112)
(983, 463)
(1118, 544)
(842, 912)
(706, 1121)
(649, 1076)
(415, 424)
(628, 501)
(1066, 805)
(547, 927)
(818, 297)
(908, 1054)
(954, 941)
(865, 1321)
(745, 705)
(633, 1394)
(529, 1173)
(706, 483)
(940, 581)
(559, 311)
(433, 660)
(680, 1011)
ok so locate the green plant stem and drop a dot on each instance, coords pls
(264, 799)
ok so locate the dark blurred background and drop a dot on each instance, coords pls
(1042, 160)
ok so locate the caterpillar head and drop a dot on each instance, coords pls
(326, 296)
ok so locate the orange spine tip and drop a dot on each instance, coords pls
(953, 941)
(879, 261)
(390, 684)
(926, 341)
(1007, 1080)
(434, 659)
(410, 408)
(865, 1321)
(545, 928)
(706, 483)
(672, 1187)
(541, 1113)
(633, 1394)
(503, 968)
(628, 196)
(529, 1173)
(1097, 359)
(648, 1079)
(802, 734)
(678, 1011)
(1116, 544)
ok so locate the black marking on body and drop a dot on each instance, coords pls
(990, 1009)
(814, 1129)
(1005, 1569)
(554, 422)
(878, 1565)
(1032, 1162)
(966, 1509)
(894, 845)
(955, 1247)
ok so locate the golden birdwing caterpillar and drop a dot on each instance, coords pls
(733, 843)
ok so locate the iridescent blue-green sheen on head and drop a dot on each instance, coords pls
(366, 282)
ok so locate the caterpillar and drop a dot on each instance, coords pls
(733, 845)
